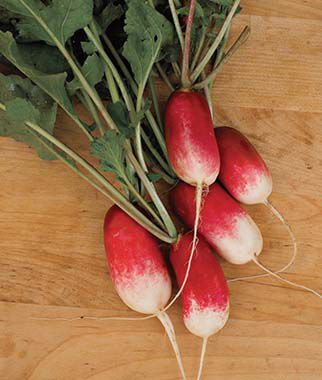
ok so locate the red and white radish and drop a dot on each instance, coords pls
(190, 138)
(192, 148)
(138, 269)
(243, 172)
(205, 297)
(223, 223)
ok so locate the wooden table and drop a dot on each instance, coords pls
(51, 249)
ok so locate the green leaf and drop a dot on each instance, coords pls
(93, 71)
(19, 110)
(52, 84)
(62, 18)
(154, 177)
(44, 58)
(120, 115)
(109, 149)
(25, 102)
(148, 31)
(88, 47)
(109, 14)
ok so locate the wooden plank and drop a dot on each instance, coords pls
(52, 256)
(308, 9)
(280, 66)
(51, 350)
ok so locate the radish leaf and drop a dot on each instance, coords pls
(25, 102)
(109, 14)
(148, 32)
(93, 71)
(52, 84)
(61, 17)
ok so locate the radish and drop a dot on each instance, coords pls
(190, 138)
(243, 172)
(138, 269)
(205, 298)
(223, 223)
(192, 148)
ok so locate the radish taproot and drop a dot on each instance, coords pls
(138, 269)
(223, 223)
(205, 297)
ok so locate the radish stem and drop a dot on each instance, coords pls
(201, 66)
(210, 78)
(127, 99)
(155, 100)
(164, 76)
(154, 126)
(176, 22)
(155, 153)
(185, 75)
(88, 103)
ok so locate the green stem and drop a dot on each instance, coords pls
(143, 202)
(185, 74)
(222, 47)
(108, 74)
(155, 99)
(201, 66)
(124, 91)
(240, 40)
(111, 85)
(154, 196)
(87, 102)
(200, 48)
(164, 76)
(208, 97)
(154, 126)
(176, 22)
(138, 140)
(157, 169)
(176, 70)
(155, 153)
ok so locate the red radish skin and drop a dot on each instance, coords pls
(205, 297)
(223, 223)
(243, 172)
(138, 270)
(190, 138)
(136, 264)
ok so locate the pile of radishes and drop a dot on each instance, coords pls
(218, 168)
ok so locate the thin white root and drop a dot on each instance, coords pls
(168, 326)
(294, 254)
(202, 357)
(94, 318)
(199, 189)
(294, 284)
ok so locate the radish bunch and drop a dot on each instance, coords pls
(217, 168)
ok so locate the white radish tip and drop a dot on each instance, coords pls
(205, 322)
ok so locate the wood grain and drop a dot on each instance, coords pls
(51, 249)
